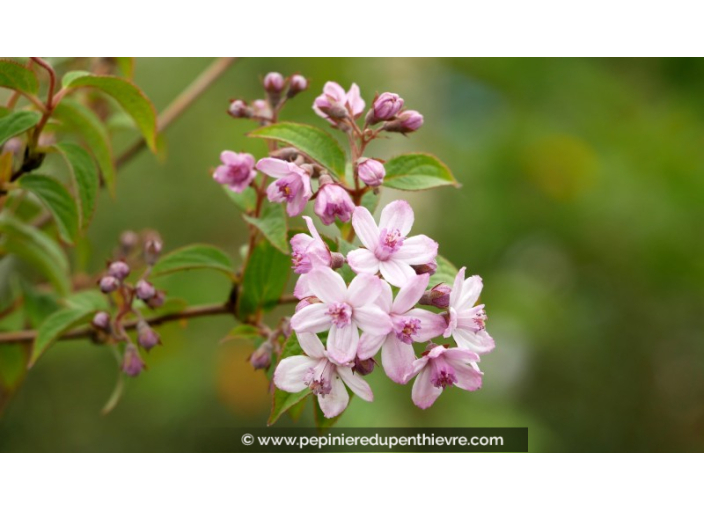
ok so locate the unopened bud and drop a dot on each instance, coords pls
(119, 270)
(132, 363)
(146, 336)
(363, 367)
(274, 82)
(428, 268)
(145, 290)
(109, 284)
(338, 260)
(157, 300)
(261, 358)
(152, 248)
(239, 109)
(406, 122)
(305, 302)
(101, 321)
(260, 109)
(128, 241)
(385, 107)
(297, 84)
(438, 296)
(371, 171)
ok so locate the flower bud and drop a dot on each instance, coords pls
(371, 171)
(297, 84)
(274, 82)
(438, 296)
(152, 248)
(132, 363)
(146, 336)
(260, 109)
(261, 358)
(109, 284)
(406, 122)
(119, 270)
(385, 107)
(128, 241)
(428, 268)
(145, 290)
(157, 300)
(337, 260)
(305, 302)
(101, 321)
(332, 201)
(363, 367)
(239, 109)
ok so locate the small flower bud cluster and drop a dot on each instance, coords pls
(278, 90)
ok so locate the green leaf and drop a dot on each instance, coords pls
(272, 223)
(15, 76)
(17, 123)
(245, 201)
(416, 172)
(57, 323)
(13, 367)
(58, 200)
(88, 299)
(314, 142)
(37, 248)
(83, 121)
(445, 272)
(71, 76)
(126, 65)
(283, 401)
(264, 279)
(130, 97)
(244, 332)
(85, 178)
(37, 306)
(195, 256)
(370, 201)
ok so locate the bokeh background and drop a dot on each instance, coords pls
(582, 207)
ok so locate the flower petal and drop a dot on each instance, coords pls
(273, 167)
(365, 227)
(461, 356)
(290, 372)
(355, 101)
(385, 299)
(424, 394)
(369, 345)
(302, 288)
(327, 285)
(432, 325)
(480, 342)
(397, 359)
(342, 343)
(372, 320)
(363, 261)
(468, 378)
(300, 242)
(471, 288)
(410, 293)
(311, 228)
(397, 215)
(359, 386)
(311, 319)
(363, 289)
(336, 401)
(456, 292)
(395, 272)
(311, 345)
(417, 250)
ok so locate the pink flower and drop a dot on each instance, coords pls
(292, 184)
(318, 372)
(371, 171)
(342, 310)
(386, 247)
(335, 104)
(274, 82)
(308, 253)
(333, 201)
(237, 170)
(439, 368)
(465, 321)
(409, 325)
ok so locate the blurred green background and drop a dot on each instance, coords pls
(582, 207)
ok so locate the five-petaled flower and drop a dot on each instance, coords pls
(342, 310)
(236, 171)
(292, 184)
(325, 378)
(386, 248)
(335, 104)
(440, 367)
(409, 325)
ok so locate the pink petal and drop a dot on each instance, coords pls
(311, 319)
(229, 158)
(461, 356)
(363, 289)
(359, 386)
(302, 288)
(311, 345)
(300, 242)
(272, 193)
(456, 292)
(471, 288)
(395, 272)
(397, 215)
(397, 359)
(334, 90)
(410, 293)
(418, 365)
(480, 342)
(468, 378)
(365, 227)
(290, 372)
(372, 320)
(273, 167)
(363, 261)
(354, 99)
(342, 343)
(385, 299)
(369, 345)
(311, 228)
(424, 394)
(417, 250)
(327, 285)
(336, 401)
(436, 352)
(432, 324)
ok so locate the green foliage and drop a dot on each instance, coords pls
(245, 201)
(283, 401)
(13, 367)
(313, 142)
(445, 272)
(272, 223)
(244, 332)
(15, 76)
(195, 256)
(264, 279)
(57, 199)
(85, 178)
(16, 123)
(130, 97)
(413, 172)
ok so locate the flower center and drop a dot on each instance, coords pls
(405, 328)
(301, 262)
(340, 314)
(443, 376)
(318, 378)
(390, 241)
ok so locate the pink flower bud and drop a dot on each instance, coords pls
(132, 363)
(157, 300)
(363, 367)
(128, 241)
(261, 358)
(145, 290)
(101, 321)
(237, 170)
(406, 122)
(333, 201)
(297, 84)
(146, 336)
(152, 248)
(109, 284)
(386, 106)
(438, 296)
(371, 171)
(428, 268)
(274, 82)
(119, 270)
(260, 109)
(239, 109)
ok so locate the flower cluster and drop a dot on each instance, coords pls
(386, 307)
